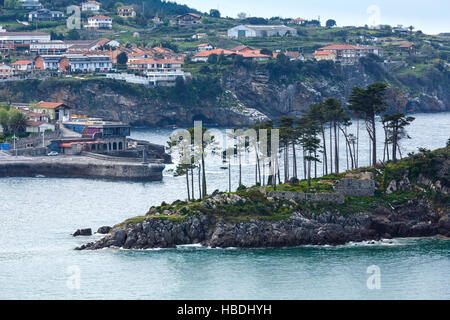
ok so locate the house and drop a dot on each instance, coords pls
(349, 53)
(58, 63)
(198, 36)
(204, 47)
(157, 20)
(2, 29)
(44, 15)
(34, 116)
(298, 21)
(325, 55)
(126, 12)
(99, 22)
(57, 47)
(252, 31)
(10, 41)
(6, 71)
(38, 127)
(92, 6)
(400, 30)
(23, 66)
(294, 55)
(188, 19)
(85, 46)
(154, 65)
(89, 63)
(31, 5)
(204, 55)
(56, 111)
(409, 48)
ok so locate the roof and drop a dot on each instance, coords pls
(51, 105)
(299, 19)
(20, 62)
(340, 47)
(203, 45)
(322, 53)
(214, 51)
(93, 2)
(253, 54)
(292, 54)
(24, 34)
(189, 14)
(242, 48)
(99, 18)
(34, 123)
(69, 144)
(150, 61)
(268, 27)
(406, 45)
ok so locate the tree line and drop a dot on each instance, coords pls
(316, 137)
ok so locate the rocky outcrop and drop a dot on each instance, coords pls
(412, 219)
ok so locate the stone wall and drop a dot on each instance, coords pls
(355, 188)
(313, 197)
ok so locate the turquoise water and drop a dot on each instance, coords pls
(38, 215)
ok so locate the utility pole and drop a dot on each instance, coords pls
(14, 139)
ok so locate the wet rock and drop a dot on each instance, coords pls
(83, 233)
(104, 230)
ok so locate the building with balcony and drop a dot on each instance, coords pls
(99, 22)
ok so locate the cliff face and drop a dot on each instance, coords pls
(244, 97)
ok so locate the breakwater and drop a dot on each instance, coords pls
(79, 167)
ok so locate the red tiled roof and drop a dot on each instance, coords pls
(214, 51)
(340, 47)
(253, 54)
(406, 45)
(99, 17)
(20, 62)
(149, 61)
(34, 123)
(51, 105)
(322, 53)
(203, 45)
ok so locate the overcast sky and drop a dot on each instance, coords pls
(430, 16)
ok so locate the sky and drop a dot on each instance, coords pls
(430, 16)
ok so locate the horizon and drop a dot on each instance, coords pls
(428, 19)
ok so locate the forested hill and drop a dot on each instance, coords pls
(153, 7)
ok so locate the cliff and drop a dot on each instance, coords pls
(237, 95)
(411, 200)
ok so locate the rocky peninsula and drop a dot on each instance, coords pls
(410, 199)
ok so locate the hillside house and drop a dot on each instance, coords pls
(56, 111)
(204, 47)
(188, 19)
(6, 71)
(349, 53)
(90, 6)
(45, 15)
(23, 66)
(325, 55)
(99, 22)
(253, 31)
(89, 63)
(57, 63)
(204, 55)
(408, 48)
(31, 5)
(198, 36)
(126, 12)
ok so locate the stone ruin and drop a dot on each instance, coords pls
(312, 197)
(355, 188)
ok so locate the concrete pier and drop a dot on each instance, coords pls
(78, 167)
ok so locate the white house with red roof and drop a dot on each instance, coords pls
(99, 22)
(349, 53)
(92, 6)
(23, 66)
(204, 47)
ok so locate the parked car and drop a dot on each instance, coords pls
(52, 154)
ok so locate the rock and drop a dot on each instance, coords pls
(119, 236)
(104, 230)
(392, 187)
(83, 232)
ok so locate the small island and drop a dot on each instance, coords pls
(406, 199)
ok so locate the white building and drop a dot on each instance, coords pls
(82, 63)
(12, 40)
(92, 6)
(99, 22)
(252, 31)
(51, 47)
